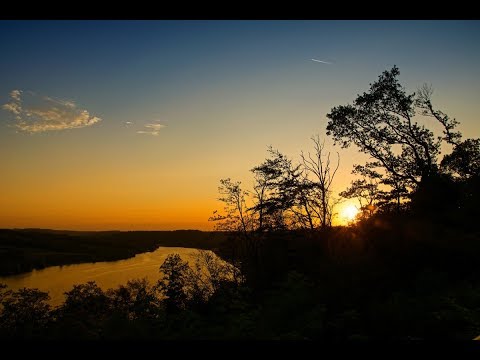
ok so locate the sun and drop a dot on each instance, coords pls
(349, 212)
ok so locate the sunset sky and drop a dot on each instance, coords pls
(131, 124)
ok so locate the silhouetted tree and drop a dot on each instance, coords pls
(381, 123)
(174, 282)
(464, 161)
(85, 308)
(318, 178)
(278, 182)
(285, 195)
(85, 298)
(423, 101)
(208, 275)
(25, 312)
(366, 192)
(369, 194)
(260, 194)
(236, 215)
(289, 195)
(135, 300)
(239, 221)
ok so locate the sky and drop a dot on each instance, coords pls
(131, 124)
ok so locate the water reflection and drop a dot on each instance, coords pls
(59, 279)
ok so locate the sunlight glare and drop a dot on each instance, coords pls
(350, 212)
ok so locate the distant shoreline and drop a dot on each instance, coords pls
(23, 250)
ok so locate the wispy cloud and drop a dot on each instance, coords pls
(128, 123)
(152, 129)
(321, 61)
(34, 113)
(15, 94)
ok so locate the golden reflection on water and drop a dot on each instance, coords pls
(59, 279)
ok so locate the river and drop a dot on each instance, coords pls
(58, 279)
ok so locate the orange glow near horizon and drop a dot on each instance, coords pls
(115, 185)
(112, 217)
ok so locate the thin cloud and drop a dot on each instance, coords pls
(128, 123)
(15, 95)
(151, 129)
(34, 113)
(321, 61)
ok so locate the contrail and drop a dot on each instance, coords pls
(323, 62)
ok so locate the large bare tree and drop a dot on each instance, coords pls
(319, 173)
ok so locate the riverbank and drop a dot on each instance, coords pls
(57, 280)
(23, 250)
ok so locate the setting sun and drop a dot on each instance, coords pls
(349, 212)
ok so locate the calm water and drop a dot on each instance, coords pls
(59, 279)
